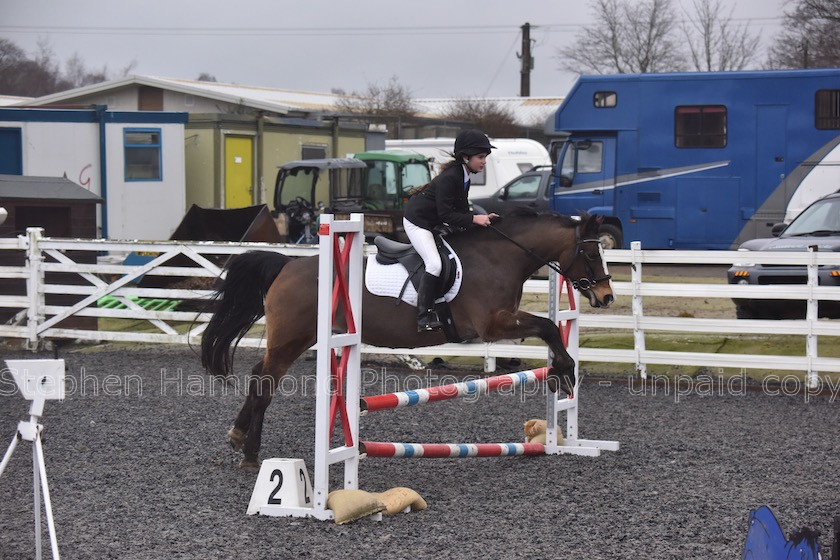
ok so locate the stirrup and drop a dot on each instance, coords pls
(428, 322)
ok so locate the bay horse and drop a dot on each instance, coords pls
(496, 260)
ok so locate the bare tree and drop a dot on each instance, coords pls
(12, 59)
(206, 77)
(824, 9)
(809, 36)
(715, 43)
(42, 74)
(76, 74)
(627, 37)
(487, 115)
(391, 101)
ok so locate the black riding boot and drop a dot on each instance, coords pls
(426, 317)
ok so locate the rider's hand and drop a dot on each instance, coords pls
(483, 219)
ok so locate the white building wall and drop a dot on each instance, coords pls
(146, 210)
(61, 149)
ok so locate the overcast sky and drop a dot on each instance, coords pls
(435, 48)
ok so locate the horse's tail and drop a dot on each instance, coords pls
(239, 304)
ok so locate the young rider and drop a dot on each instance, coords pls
(443, 202)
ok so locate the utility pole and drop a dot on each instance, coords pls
(527, 62)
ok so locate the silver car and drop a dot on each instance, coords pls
(818, 224)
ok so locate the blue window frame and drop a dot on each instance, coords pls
(142, 154)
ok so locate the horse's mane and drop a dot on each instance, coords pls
(514, 220)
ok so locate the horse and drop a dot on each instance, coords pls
(496, 262)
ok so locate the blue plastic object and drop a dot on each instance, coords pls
(766, 541)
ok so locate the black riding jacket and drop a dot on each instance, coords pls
(443, 201)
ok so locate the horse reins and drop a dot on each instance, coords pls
(581, 284)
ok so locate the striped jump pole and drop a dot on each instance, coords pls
(452, 391)
(450, 450)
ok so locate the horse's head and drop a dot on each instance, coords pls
(587, 268)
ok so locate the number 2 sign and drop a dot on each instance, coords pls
(281, 482)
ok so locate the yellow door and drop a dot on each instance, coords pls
(239, 171)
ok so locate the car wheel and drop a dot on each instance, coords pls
(610, 236)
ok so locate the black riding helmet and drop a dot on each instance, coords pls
(471, 142)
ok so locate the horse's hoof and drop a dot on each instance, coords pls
(559, 382)
(249, 465)
(236, 438)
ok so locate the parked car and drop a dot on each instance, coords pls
(528, 190)
(532, 190)
(818, 224)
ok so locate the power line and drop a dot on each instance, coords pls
(310, 31)
(249, 31)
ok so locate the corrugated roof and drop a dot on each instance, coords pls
(6, 100)
(276, 100)
(24, 187)
(527, 111)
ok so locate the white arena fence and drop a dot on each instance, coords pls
(36, 321)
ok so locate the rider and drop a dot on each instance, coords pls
(443, 202)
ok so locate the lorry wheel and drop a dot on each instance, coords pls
(610, 237)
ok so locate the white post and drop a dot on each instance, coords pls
(34, 281)
(638, 309)
(573, 444)
(811, 317)
(327, 341)
(551, 398)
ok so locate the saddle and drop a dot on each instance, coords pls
(390, 252)
(395, 252)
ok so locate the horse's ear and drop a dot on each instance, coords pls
(592, 224)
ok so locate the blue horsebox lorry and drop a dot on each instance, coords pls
(695, 160)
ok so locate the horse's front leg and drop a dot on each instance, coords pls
(519, 324)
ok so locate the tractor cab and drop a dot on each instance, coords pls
(388, 182)
(305, 188)
(376, 183)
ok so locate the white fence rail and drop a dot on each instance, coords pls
(37, 317)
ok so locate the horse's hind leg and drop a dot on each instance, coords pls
(237, 434)
(275, 364)
(260, 393)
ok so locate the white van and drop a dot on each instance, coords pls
(511, 158)
(821, 178)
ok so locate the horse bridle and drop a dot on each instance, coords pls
(584, 283)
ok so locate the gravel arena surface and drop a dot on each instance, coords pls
(139, 468)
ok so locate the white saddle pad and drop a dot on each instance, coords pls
(388, 280)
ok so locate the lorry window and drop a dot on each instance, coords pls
(827, 109)
(568, 168)
(590, 160)
(700, 126)
(605, 99)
